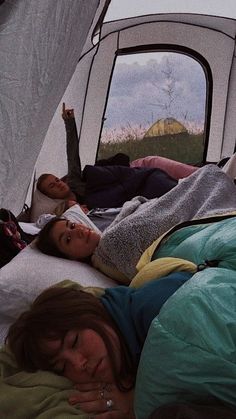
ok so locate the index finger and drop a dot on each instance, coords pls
(89, 386)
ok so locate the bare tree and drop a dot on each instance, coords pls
(167, 93)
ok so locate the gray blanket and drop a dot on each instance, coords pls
(206, 192)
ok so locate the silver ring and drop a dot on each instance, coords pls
(110, 404)
(102, 394)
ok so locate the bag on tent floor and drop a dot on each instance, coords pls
(12, 238)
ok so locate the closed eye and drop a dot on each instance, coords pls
(75, 341)
(60, 368)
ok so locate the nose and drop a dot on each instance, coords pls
(59, 182)
(81, 230)
(77, 360)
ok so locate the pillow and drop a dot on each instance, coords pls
(76, 214)
(30, 272)
(29, 228)
(42, 204)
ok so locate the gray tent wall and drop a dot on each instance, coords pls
(40, 44)
(211, 37)
(78, 97)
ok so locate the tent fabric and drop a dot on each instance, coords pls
(40, 45)
(47, 55)
(117, 10)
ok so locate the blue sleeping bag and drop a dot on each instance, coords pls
(112, 186)
(190, 349)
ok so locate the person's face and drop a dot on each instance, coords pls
(81, 356)
(54, 188)
(76, 241)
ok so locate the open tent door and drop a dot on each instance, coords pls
(40, 45)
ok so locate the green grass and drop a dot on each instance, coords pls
(184, 147)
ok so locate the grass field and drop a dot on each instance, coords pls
(184, 147)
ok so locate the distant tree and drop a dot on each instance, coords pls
(166, 91)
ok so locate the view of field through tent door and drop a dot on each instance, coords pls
(156, 106)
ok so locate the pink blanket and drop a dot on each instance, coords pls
(174, 168)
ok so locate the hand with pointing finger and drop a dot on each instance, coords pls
(67, 113)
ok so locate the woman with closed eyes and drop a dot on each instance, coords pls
(95, 342)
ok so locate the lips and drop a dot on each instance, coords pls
(96, 368)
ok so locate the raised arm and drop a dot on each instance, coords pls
(72, 148)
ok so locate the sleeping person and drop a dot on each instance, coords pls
(95, 342)
(129, 351)
(107, 184)
(116, 252)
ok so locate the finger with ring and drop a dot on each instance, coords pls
(102, 394)
(110, 404)
(107, 387)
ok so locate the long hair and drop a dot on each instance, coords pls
(56, 311)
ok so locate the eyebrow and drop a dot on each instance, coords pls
(62, 234)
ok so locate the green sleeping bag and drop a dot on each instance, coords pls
(190, 350)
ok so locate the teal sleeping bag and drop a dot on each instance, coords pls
(190, 350)
(203, 242)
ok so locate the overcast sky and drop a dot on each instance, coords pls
(140, 90)
(137, 93)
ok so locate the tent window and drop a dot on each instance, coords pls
(156, 106)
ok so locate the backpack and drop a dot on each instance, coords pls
(12, 238)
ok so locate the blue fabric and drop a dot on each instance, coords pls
(203, 242)
(134, 309)
(190, 349)
(111, 186)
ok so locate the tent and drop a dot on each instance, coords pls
(164, 127)
(59, 50)
(54, 51)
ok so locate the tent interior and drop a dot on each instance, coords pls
(122, 66)
(54, 52)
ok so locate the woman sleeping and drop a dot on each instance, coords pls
(95, 342)
(174, 338)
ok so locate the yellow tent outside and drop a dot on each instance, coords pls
(164, 127)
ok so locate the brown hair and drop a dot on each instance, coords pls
(44, 241)
(40, 181)
(47, 245)
(56, 311)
